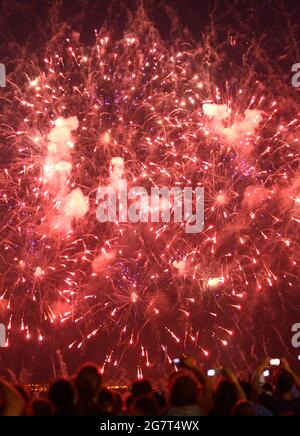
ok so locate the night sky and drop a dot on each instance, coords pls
(248, 45)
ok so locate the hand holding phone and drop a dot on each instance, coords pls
(275, 362)
(214, 372)
(177, 361)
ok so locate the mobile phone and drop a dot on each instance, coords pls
(275, 362)
(177, 361)
(214, 372)
(263, 376)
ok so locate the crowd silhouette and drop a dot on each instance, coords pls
(189, 391)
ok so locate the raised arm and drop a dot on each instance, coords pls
(14, 405)
(207, 397)
(234, 380)
(286, 366)
(257, 375)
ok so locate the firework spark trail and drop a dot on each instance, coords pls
(133, 109)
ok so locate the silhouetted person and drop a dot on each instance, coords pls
(141, 388)
(11, 401)
(184, 397)
(259, 409)
(62, 397)
(161, 401)
(106, 403)
(26, 397)
(243, 408)
(144, 406)
(228, 393)
(225, 399)
(41, 408)
(88, 383)
(284, 402)
(118, 404)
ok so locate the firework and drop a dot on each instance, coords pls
(139, 293)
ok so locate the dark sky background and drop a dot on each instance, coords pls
(22, 20)
(26, 26)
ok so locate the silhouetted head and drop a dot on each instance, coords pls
(141, 388)
(144, 406)
(172, 377)
(160, 399)
(248, 389)
(243, 408)
(184, 391)
(106, 401)
(62, 394)
(225, 398)
(41, 408)
(88, 381)
(284, 382)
